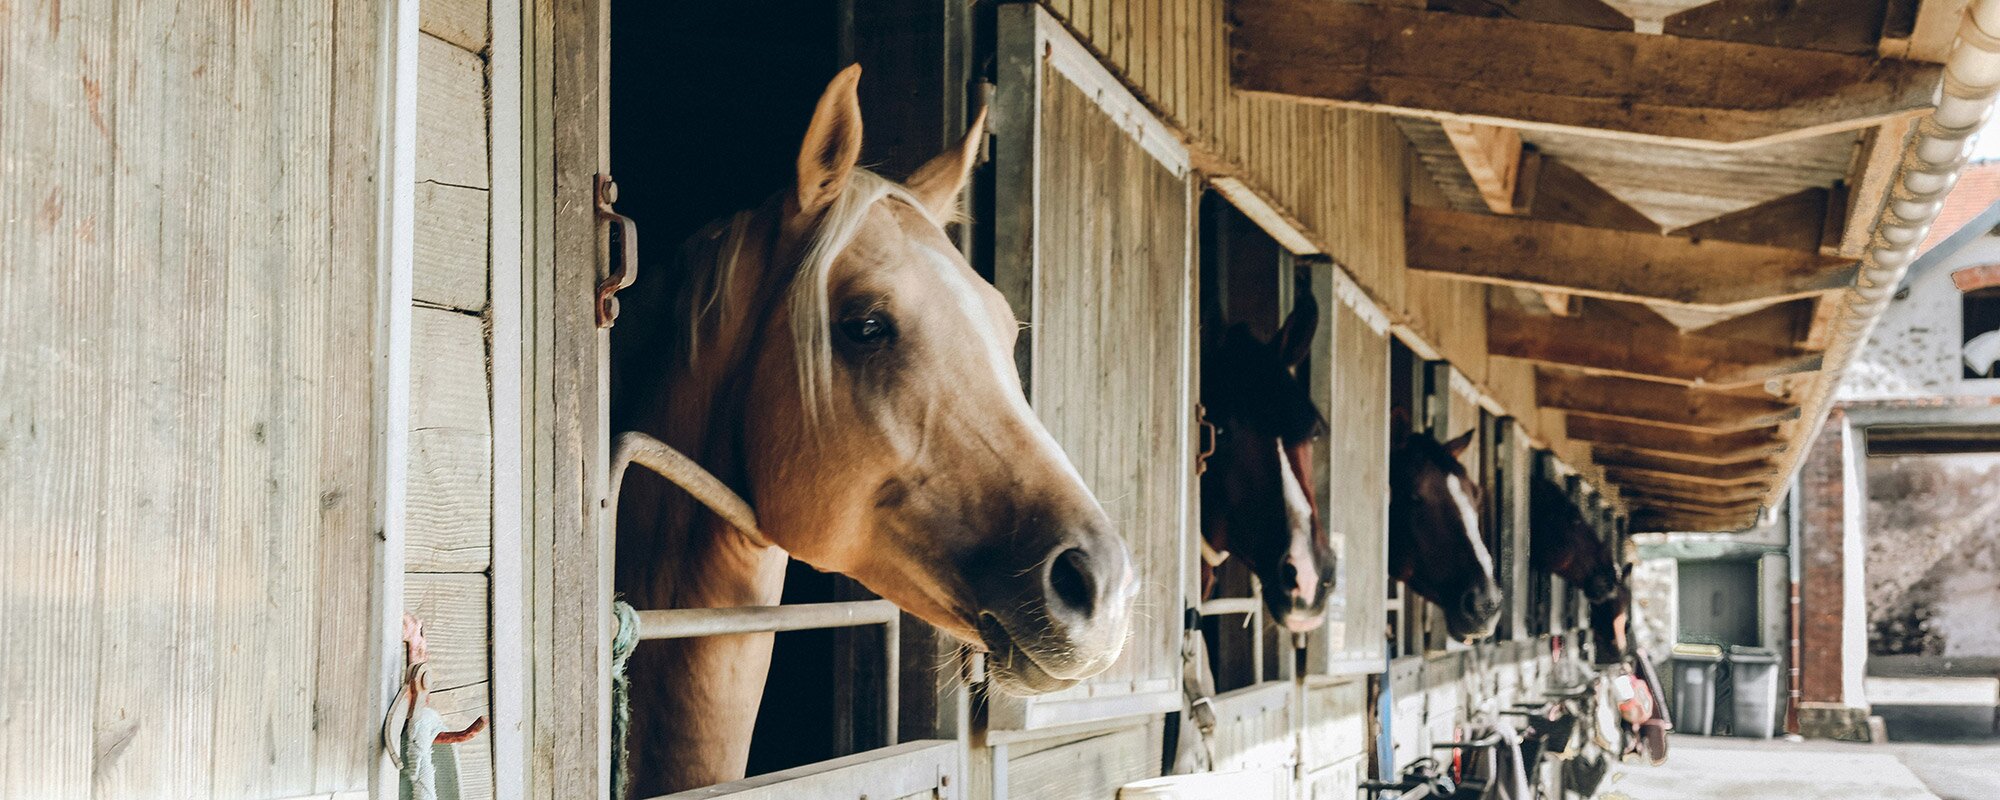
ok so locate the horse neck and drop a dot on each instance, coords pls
(695, 700)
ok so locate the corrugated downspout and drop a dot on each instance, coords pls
(1932, 158)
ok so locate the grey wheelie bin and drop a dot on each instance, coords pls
(1695, 669)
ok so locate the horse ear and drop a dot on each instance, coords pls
(1458, 445)
(1295, 339)
(940, 181)
(833, 144)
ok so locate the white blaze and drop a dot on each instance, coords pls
(998, 359)
(1471, 516)
(1298, 515)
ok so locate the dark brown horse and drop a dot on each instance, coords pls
(1436, 544)
(841, 366)
(1609, 624)
(1561, 542)
(1257, 494)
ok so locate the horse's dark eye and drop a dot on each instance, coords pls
(869, 329)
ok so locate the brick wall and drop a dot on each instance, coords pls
(1822, 514)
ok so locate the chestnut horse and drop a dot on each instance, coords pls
(846, 371)
(1436, 544)
(1257, 492)
(1561, 542)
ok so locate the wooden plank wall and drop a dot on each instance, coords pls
(1358, 511)
(449, 547)
(1336, 742)
(1342, 176)
(1111, 328)
(187, 296)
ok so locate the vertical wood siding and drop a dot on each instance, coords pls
(187, 309)
(1357, 502)
(1106, 289)
(448, 549)
(1343, 176)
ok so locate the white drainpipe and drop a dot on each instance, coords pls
(1932, 159)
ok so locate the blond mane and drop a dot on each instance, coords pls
(719, 248)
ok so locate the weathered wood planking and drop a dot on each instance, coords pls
(1336, 723)
(1097, 262)
(448, 546)
(453, 608)
(1253, 728)
(451, 115)
(460, 22)
(1358, 420)
(190, 501)
(452, 228)
(1089, 768)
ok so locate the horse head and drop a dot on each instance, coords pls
(1436, 545)
(869, 407)
(1563, 543)
(1257, 493)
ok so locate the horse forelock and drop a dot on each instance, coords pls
(809, 297)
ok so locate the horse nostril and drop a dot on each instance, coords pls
(1288, 575)
(1071, 584)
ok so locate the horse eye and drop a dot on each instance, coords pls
(869, 329)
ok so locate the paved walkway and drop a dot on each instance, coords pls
(1703, 768)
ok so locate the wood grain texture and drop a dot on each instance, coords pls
(1613, 345)
(1090, 768)
(450, 522)
(452, 253)
(448, 372)
(453, 610)
(1651, 403)
(180, 518)
(451, 115)
(1564, 77)
(1112, 326)
(1617, 265)
(460, 22)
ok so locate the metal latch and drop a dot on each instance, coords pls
(624, 251)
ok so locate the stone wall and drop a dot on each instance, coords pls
(1934, 555)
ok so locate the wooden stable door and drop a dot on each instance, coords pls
(1093, 243)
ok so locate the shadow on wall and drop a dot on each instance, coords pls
(1933, 566)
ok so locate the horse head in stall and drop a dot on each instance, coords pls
(841, 366)
(1436, 544)
(1257, 490)
(1561, 542)
(1610, 622)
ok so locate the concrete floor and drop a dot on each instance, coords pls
(1704, 768)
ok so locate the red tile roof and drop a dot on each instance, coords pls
(1977, 190)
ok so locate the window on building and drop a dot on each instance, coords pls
(1980, 321)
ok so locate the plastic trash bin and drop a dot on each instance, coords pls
(1695, 667)
(1755, 673)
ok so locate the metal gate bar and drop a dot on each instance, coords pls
(690, 623)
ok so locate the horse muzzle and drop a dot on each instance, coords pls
(1068, 623)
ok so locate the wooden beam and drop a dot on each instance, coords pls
(1492, 156)
(1622, 474)
(1616, 265)
(1697, 507)
(1691, 471)
(1791, 222)
(1838, 26)
(1585, 13)
(1621, 83)
(1555, 191)
(1657, 521)
(1704, 494)
(1713, 448)
(1875, 159)
(1652, 403)
(1607, 345)
(1819, 332)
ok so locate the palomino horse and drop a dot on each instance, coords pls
(1257, 492)
(846, 371)
(1562, 543)
(1436, 545)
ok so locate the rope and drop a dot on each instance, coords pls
(420, 781)
(622, 642)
